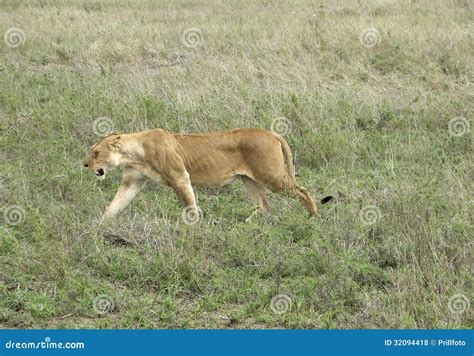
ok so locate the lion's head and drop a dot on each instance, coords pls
(103, 155)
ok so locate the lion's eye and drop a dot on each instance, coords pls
(95, 154)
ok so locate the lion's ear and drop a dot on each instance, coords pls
(115, 143)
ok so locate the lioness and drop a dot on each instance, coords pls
(262, 159)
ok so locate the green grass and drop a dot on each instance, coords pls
(369, 125)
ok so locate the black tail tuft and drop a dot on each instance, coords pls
(326, 199)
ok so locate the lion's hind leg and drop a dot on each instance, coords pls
(284, 184)
(303, 194)
(257, 195)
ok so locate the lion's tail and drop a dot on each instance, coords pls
(288, 156)
(297, 190)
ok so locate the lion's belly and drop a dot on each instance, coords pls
(213, 181)
(222, 169)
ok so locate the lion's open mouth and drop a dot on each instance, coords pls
(99, 172)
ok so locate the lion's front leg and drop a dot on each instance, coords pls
(185, 193)
(132, 183)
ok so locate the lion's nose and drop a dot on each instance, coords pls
(86, 165)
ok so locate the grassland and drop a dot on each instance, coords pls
(370, 123)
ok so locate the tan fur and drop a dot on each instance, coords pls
(260, 158)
